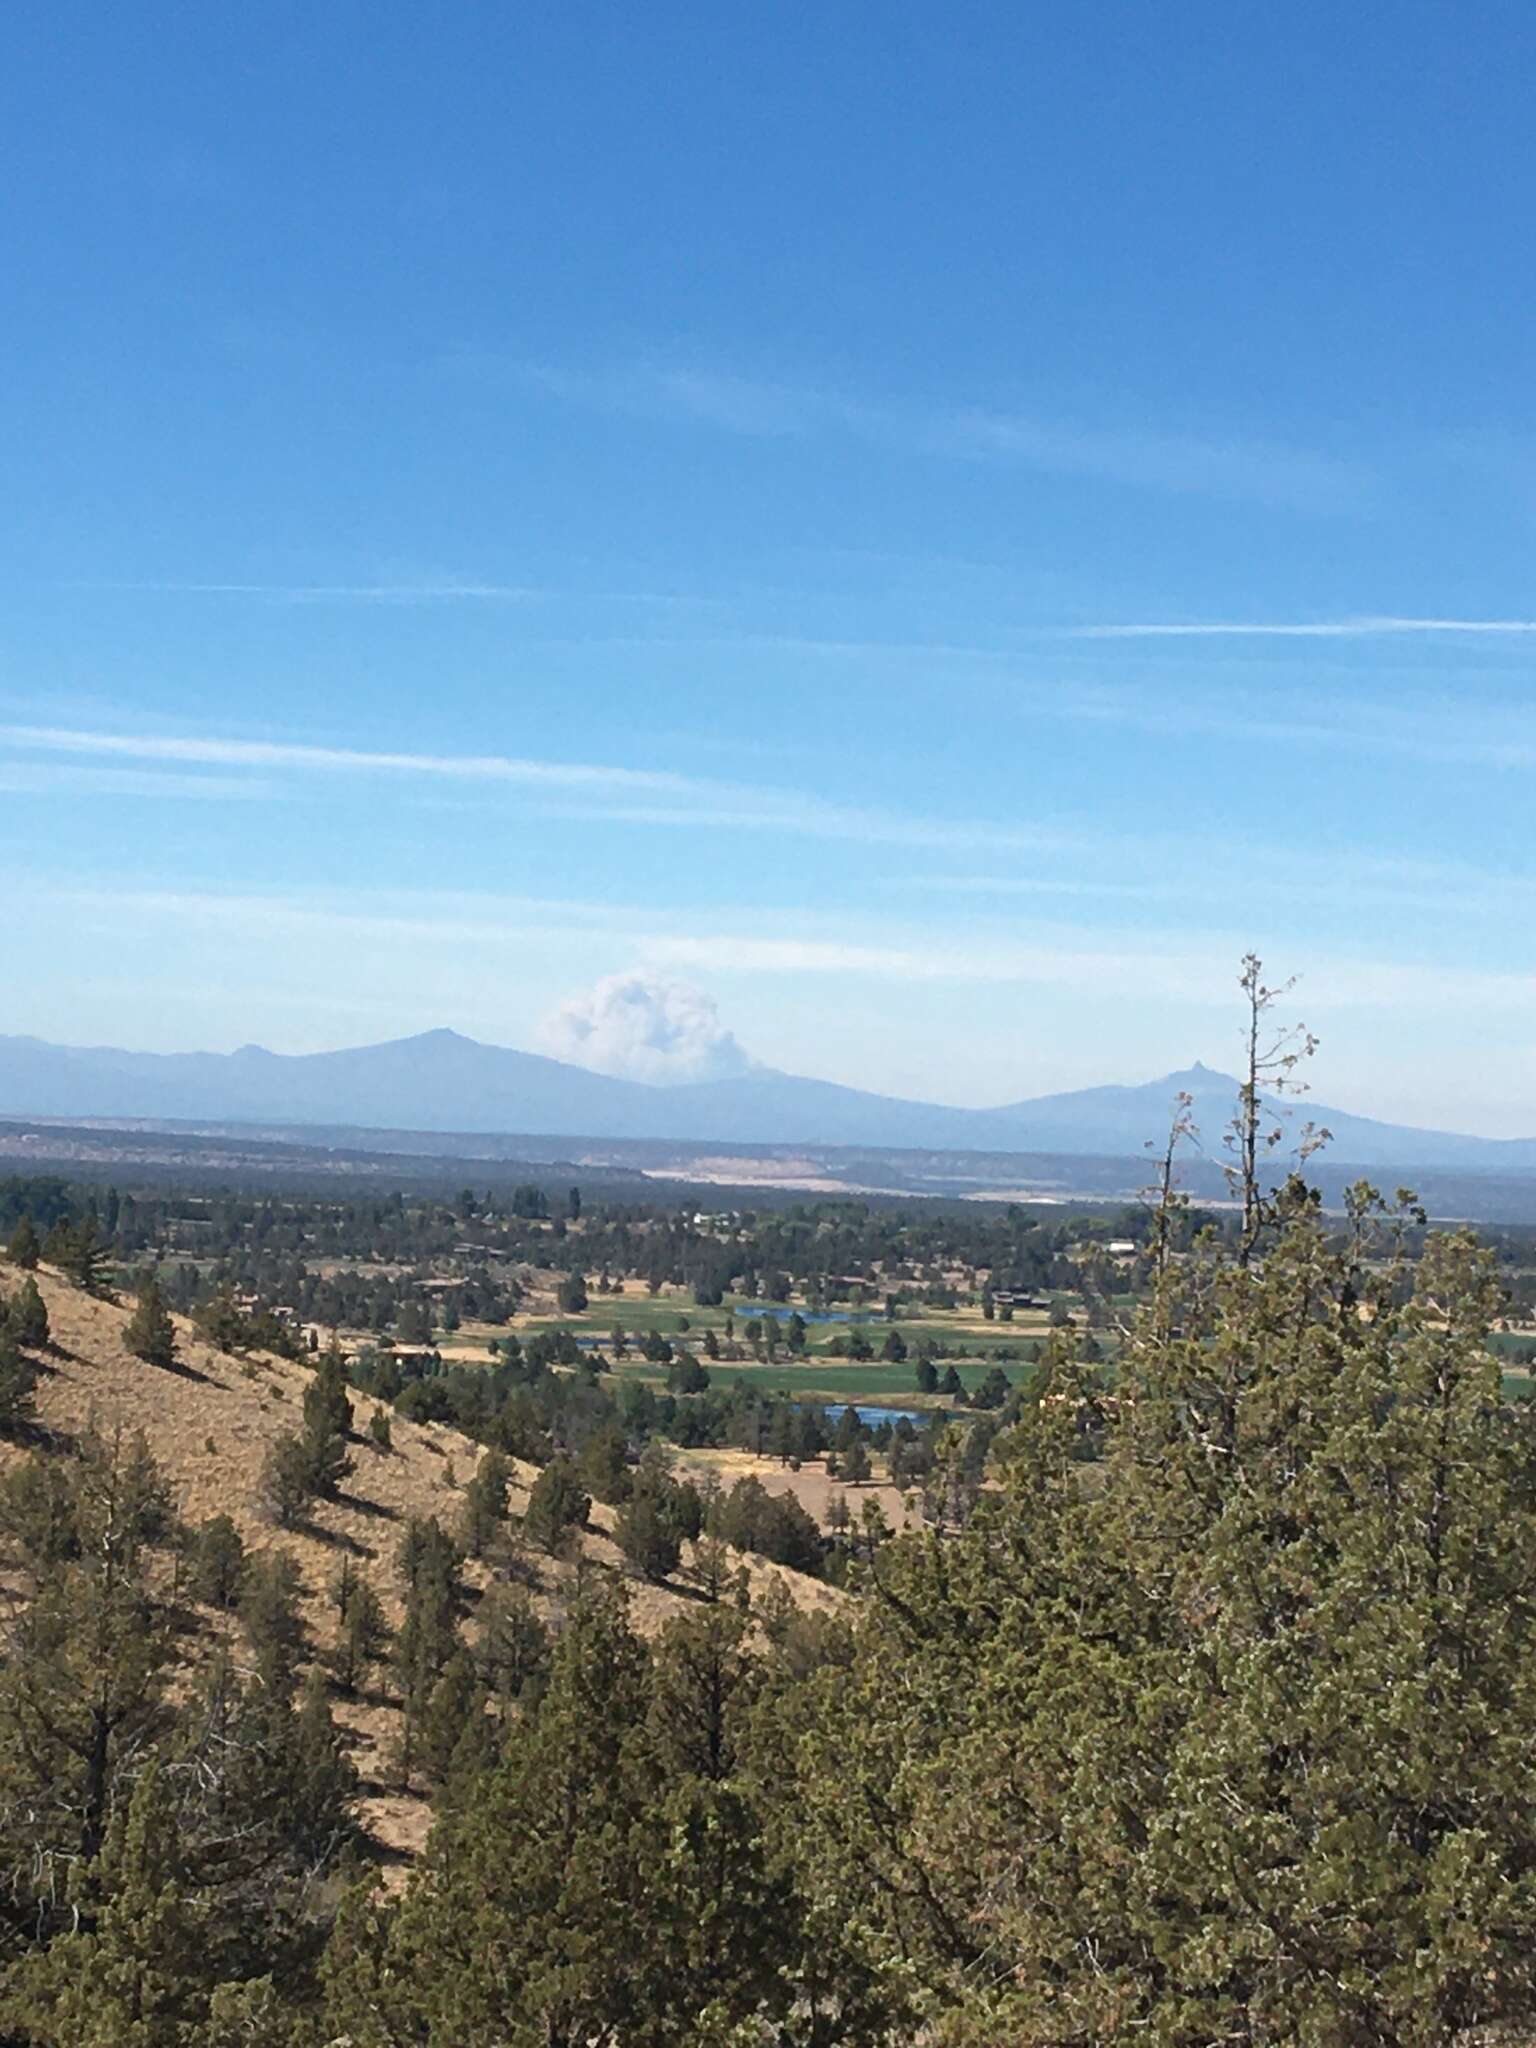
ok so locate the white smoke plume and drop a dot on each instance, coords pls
(641, 1028)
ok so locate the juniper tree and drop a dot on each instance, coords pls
(1272, 1054)
(39, 1523)
(485, 1502)
(18, 1385)
(323, 1783)
(26, 1316)
(266, 1798)
(286, 1482)
(855, 1463)
(453, 1735)
(327, 1425)
(512, 1647)
(1227, 1744)
(78, 1252)
(134, 1967)
(604, 1466)
(429, 1632)
(87, 1662)
(362, 1636)
(525, 1922)
(273, 1622)
(557, 1504)
(646, 1529)
(150, 1334)
(217, 1562)
(23, 1248)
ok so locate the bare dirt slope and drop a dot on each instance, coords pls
(209, 1425)
(810, 1484)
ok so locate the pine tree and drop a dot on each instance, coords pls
(23, 1248)
(451, 1718)
(604, 1466)
(513, 1646)
(525, 1922)
(428, 1637)
(323, 1780)
(557, 1503)
(273, 1623)
(218, 1563)
(150, 1334)
(26, 1317)
(78, 1252)
(327, 1425)
(855, 1463)
(646, 1530)
(137, 1978)
(485, 1502)
(362, 1636)
(286, 1483)
(86, 1665)
(18, 1385)
(1228, 1742)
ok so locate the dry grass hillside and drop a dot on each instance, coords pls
(209, 1424)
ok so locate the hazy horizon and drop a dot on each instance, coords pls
(1298, 1106)
(939, 601)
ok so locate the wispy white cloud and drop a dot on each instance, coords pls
(605, 793)
(1219, 466)
(573, 789)
(739, 405)
(78, 778)
(1266, 883)
(1166, 964)
(1467, 733)
(1189, 464)
(400, 592)
(1033, 886)
(238, 753)
(1367, 627)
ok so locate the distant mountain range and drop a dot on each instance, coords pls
(441, 1081)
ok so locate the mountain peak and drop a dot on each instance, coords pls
(442, 1080)
(1198, 1076)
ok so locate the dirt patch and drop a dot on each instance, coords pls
(811, 1485)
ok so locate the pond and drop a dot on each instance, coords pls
(748, 1310)
(873, 1417)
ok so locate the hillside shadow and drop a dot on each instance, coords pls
(374, 1697)
(338, 1539)
(680, 1587)
(374, 1510)
(388, 1855)
(180, 1370)
(32, 1434)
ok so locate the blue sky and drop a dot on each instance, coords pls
(935, 528)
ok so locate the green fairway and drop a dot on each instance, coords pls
(831, 1379)
(667, 1316)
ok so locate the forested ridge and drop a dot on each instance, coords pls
(1210, 1723)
